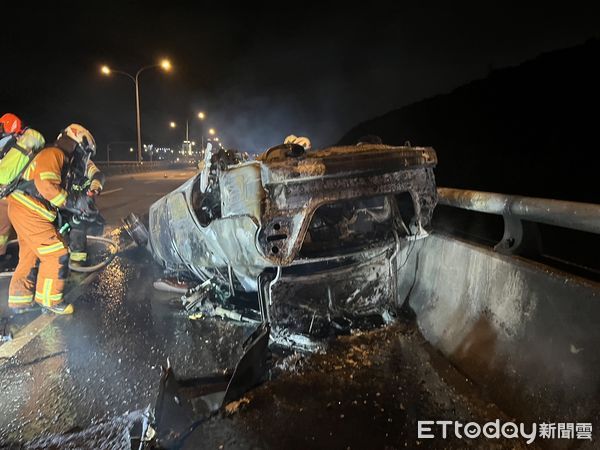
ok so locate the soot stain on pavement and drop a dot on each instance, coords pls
(367, 391)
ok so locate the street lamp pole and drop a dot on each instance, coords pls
(201, 116)
(137, 116)
(165, 65)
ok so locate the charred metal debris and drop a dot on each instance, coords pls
(307, 242)
(184, 405)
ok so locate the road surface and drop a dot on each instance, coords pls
(85, 372)
(136, 192)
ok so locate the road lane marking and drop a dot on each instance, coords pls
(111, 191)
(34, 328)
(24, 337)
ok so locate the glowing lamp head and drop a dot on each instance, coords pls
(166, 64)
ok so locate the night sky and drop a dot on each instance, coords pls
(259, 73)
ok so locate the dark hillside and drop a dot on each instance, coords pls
(533, 129)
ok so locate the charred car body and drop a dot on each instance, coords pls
(315, 234)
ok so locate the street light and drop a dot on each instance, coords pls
(201, 115)
(165, 64)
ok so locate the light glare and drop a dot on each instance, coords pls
(165, 64)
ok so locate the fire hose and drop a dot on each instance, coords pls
(83, 269)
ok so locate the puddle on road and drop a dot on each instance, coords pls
(114, 434)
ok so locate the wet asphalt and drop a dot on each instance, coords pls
(105, 359)
(367, 391)
(136, 192)
(87, 376)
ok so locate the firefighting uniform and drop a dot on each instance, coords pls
(94, 181)
(16, 150)
(43, 255)
(5, 226)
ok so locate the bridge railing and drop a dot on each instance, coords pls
(121, 167)
(515, 209)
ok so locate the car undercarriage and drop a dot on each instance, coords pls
(315, 234)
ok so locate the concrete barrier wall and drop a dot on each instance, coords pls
(527, 334)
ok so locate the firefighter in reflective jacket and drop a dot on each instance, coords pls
(10, 127)
(33, 208)
(93, 183)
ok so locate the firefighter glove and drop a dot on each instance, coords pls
(82, 206)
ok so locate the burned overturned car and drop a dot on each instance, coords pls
(315, 234)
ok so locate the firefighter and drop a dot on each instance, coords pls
(92, 182)
(10, 127)
(33, 209)
(299, 140)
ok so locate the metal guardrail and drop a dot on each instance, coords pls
(514, 209)
(124, 167)
(133, 163)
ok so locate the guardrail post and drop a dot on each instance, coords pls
(513, 235)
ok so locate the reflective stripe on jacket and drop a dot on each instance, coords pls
(42, 187)
(95, 176)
